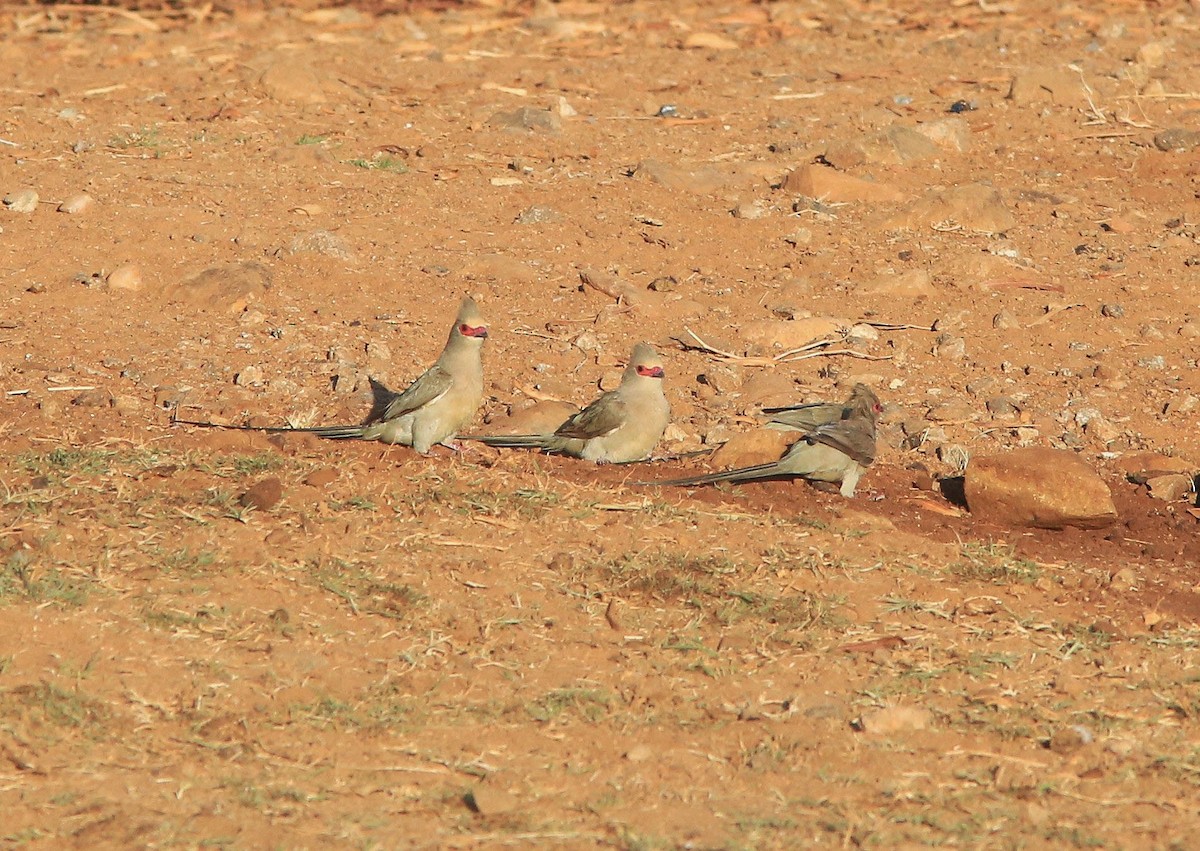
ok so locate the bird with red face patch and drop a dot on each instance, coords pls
(433, 408)
(621, 426)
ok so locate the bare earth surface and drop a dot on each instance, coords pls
(493, 648)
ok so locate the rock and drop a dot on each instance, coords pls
(1005, 319)
(538, 418)
(950, 347)
(263, 495)
(950, 134)
(1176, 139)
(1046, 85)
(126, 277)
(499, 267)
(895, 719)
(1112, 311)
(293, 79)
(321, 477)
(527, 119)
(225, 288)
(488, 801)
(1171, 487)
(827, 184)
(974, 206)
(1142, 466)
(701, 179)
(97, 397)
(1152, 54)
(1067, 740)
(323, 242)
(915, 283)
(750, 210)
(538, 216)
(761, 446)
(21, 201)
(897, 145)
(769, 389)
(169, 396)
(250, 376)
(1003, 407)
(952, 411)
(710, 41)
(1039, 487)
(76, 203)
(790, 333)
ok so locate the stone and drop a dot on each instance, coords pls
(895, 719)
(527, 119)
(973, 206)
(321, 477)
(1038, 487)
(950, 134)
(323, 242)
(75, 203)
(488, 801)
(227, 288)
(1177, 140)
(127, 277)
(827, 184)
(21, 201)
(914, 283)
(760, 446)
(538, 418)
(700, 179)
(1171, 487)
(538, 216)
(249, 376)
(1142, 466)
(790, 333)
(263, 495)
(1005, 319)
(1046, 85)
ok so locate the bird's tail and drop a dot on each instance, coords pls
(760, 471)
(331, 432)
(509, 441)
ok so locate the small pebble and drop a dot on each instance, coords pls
(1112, 311)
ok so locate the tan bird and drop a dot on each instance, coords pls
(441, 401)
(621, 426)
(836, 451)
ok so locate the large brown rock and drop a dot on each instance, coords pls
(760, 446)
(1040, 487)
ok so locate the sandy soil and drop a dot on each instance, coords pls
(496, 648)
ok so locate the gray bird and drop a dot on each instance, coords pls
(621, 426)
(432, 409)
(807, 417)
(837, 450)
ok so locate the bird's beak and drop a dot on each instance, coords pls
(478, 331)
(651, 371)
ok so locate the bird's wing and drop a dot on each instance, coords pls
(432, 384)
(602, 417)
(850, 437)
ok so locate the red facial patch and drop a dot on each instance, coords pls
(472, 331)
(650, 371)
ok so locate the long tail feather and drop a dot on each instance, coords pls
(331, 432)
(760, 471)
(508, 441)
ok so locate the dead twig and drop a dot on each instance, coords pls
(790, 356)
